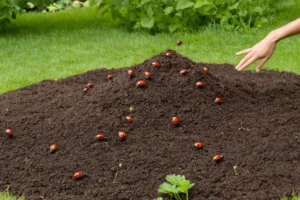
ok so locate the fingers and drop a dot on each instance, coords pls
(245, 59)
(247, 63)
(243, 52)
(261, 64)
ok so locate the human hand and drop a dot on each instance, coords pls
(261, 51)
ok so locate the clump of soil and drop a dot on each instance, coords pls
(256, 128)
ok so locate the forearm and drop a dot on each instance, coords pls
(288, 30)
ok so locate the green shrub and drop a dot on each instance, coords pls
(172, 15)
(8, 11)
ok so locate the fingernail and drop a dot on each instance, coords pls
(236, 67)
(257, 70)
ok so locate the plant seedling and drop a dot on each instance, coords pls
(147, 75)
(100, 137)
(110, 76)
(156, 64)
(9, 132)
(199, 145)
(179, 42)
(235, 170)
(130, 73)
(218, 100)
(141, 83)
(200, 84)
(175, 121)
(78, 175)
(175, 185)
(53, 148)
(129, 119)
(183, 72)
(168, 54)
(90, 85)
(218, 158)
(122, 135)
(206, 69)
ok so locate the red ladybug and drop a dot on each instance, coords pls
(130, 73)
(218, 100)
(78, 175)
(200, 84)
(141, 83)
(90, 85)
(129, 119)
(168, 54)
(206, 69)
(53, 148)
(9, 132)
(147, 75)
(122, 135)
(179, 42)
(156, 64)
(175, 121)
(183, 72)
(110, 76)
(217, 157)
(199, 145)
(100, 137)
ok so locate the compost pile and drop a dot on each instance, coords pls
(256, 129)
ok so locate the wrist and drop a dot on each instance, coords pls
(274, 36)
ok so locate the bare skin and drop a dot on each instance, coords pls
(264, 49)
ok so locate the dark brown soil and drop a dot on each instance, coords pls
(257, 128)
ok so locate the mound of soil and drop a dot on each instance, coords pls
(256, 128)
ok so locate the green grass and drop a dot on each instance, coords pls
(8, 196)
(55, 45)
(294, 196)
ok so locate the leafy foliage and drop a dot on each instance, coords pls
(175, 185)
(172, 15)
(8, 11)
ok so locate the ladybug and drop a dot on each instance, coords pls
(100, 137)
(130, 73)
(175, 121)
(122, 135)
(218, 100)
(200, 84)
(168, 54)
(217, 157)
(183, 72)
(179, 42)
(129, 119)
(156, 64)
(141, 83)
(78, 175)
(206, 69)
(53, 148)
(199, 145)
(9, 132)
(90, 85)
(147, 75)
(110, 76)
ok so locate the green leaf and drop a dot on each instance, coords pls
(175, 179)
(144, 2)
(147, 22)
(172, 28)
(167, 188)
(205, 7)
(168, 10)
(183, 4)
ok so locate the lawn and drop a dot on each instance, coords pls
(55, 45)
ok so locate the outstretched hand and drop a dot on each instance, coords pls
(261, 51)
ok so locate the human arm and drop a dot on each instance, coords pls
(264, 49)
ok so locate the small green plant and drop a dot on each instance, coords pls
(293, 196)
(175, 185)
